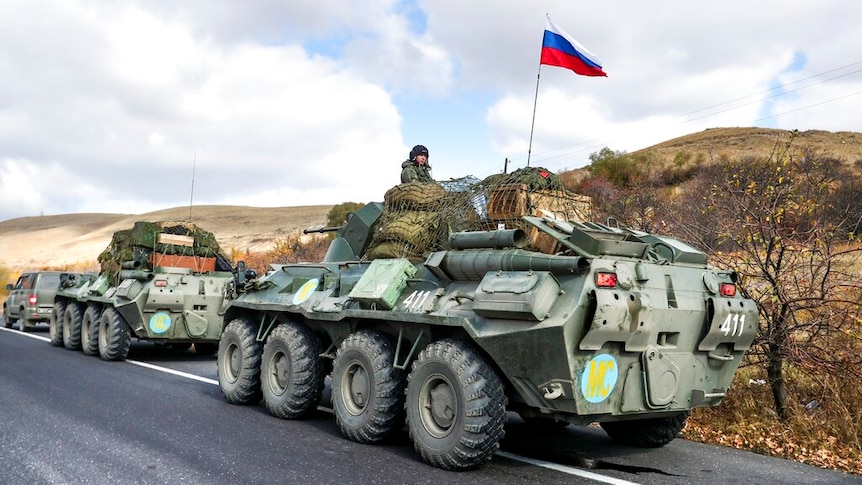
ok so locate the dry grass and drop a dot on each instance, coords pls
(827, 435)
(733, 143)
(823, 430)
(73, 241)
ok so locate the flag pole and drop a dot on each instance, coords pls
(536, 96)
(533, 123)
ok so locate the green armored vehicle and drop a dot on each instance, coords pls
(164, 282)
(576, 323)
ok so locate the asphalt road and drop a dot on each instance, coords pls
(160, 418)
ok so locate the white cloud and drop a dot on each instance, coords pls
(267, 125)
(301, 102)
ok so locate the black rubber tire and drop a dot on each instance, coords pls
(238, 368)
(456, 406)
(90, 329)
(292, 371)
(114, 336)
(367, 390)
(22, 322)
(55, 325)
(72, 326)
(206, 348)
(646, 433)
(7, 320)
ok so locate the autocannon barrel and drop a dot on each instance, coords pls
(130, 274)
(504, 238)
(321, 229)
(135, 264)
(473, 265)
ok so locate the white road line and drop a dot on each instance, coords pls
(505, 454)
(512, 456)
(27, 334)
(565, 469)
(174, 372)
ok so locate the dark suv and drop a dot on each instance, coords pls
(31, 299)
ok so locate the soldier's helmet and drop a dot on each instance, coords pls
(418, 150)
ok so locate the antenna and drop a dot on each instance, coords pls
(192, 196)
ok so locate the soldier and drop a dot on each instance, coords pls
(416, 168)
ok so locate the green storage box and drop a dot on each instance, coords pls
(516, 295)
(383, 282)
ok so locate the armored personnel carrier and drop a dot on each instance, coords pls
(164, 282)
(560, 320)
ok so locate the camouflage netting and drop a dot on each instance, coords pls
(418, 218)
(137, 243)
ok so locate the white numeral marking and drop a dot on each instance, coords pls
(416, 299)
(733, 325)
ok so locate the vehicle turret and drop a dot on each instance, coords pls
(451, 303)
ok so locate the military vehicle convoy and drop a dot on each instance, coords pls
(530, 309)
(164, 282)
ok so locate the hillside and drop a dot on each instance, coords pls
(77, 239)
(717, 143)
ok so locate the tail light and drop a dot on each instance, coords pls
(606, 280)
(727, 289)
(32, 300)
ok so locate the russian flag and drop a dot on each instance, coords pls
(561, 50)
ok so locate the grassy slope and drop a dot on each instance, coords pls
(77, 239)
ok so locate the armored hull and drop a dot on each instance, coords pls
(627, 329)
(161, 282)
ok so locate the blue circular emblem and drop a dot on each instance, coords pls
(160, 322)
(599, 378)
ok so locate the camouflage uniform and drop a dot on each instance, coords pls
(413, 172)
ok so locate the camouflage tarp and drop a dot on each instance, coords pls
(137, 243)
(418, 218)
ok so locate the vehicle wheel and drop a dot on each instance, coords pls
(90, 329)
(238, 367)
(22, 321)
(646, 433)
(114, 335)
(7, 319)
(55, 325)
(292, 373)
(456, 406)
(72, 326)
(367, 390)
(205, 348)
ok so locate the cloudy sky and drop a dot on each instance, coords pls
(117, 106)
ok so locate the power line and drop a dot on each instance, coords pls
(773, 96)
(809, 106)
(777, 87)
(539, 157)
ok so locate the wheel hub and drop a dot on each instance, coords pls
(442, 405)
(358, 388)
(281, 372)
(234, 360)
(439, 406)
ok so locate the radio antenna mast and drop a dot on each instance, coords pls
(192, 196)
